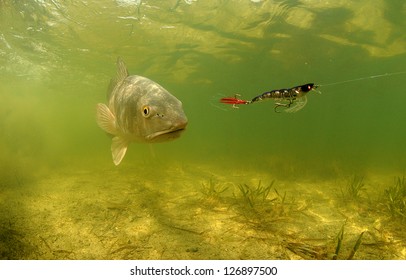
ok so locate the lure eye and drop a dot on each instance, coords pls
(307, 87)
(145, 111)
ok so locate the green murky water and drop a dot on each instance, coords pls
(242, 183)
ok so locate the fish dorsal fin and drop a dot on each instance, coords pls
(121, 74)
(105, 119)
(118, 149)
(122, 71)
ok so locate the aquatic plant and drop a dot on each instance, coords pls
(353, 189)
(306, 250)
(213, 189)
(340, 238)
(356, 246)
(260, 207)
(255, 196)
(396, 198)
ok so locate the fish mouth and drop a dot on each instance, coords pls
(167, 134)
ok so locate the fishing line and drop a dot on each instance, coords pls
(363, 78)
(293, 99)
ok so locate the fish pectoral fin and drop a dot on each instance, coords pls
(118, 149)
(105, 119)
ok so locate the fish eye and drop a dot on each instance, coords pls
(145, 111)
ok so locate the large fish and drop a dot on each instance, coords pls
(138, 110)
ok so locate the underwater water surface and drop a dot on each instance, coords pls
(326, 182)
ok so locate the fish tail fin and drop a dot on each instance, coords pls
(118, 149)
(105, 119)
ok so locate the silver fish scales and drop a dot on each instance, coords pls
(139, 110)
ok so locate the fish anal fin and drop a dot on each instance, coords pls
(105, 119)
(118, 149)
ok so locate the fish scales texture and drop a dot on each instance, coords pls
(139, 110)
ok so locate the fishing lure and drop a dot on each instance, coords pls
(234, 101)
(293, 99)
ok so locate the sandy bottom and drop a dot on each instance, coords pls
(197, 212)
